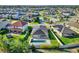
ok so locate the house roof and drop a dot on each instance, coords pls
(74, 24)
(37, 30)
(64, 30)
(67, 30)
(3, 24)
(58, 27)
(41, 27)
(41, 34)
(19, 23)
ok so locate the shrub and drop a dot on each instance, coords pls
(4, 31)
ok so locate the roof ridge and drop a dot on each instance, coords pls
(19, 23)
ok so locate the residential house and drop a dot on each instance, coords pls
(63, 31)
(18, 27)
(74, 25)
(3, 24)
(54, 20)
(31, 14)
(40, 36)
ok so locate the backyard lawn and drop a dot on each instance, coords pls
(54, 42)
(14, 42)
(70, 40)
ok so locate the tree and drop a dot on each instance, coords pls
(18, 46)
(9, 17)
(33, 48)
(36, 19)
(4, 31)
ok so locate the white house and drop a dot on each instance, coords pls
(18, 27)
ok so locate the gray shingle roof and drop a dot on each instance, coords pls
(64, 30)
(40, 31)
(3, 24)
(68, 31)
(59, 27)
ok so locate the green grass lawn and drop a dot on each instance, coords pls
(70, 40)
(50, 35)
(35, 23)
(21, 36)
(15, 37)
(54, 42)
(15, 42)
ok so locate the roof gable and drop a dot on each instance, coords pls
(19, 24)
(38, 32)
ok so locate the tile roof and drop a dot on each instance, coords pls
(19, 23)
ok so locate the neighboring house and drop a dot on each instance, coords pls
(54, 20)
(32, 14)
(18, 27)
(3, 24)
(41, 19)
(16, 15)
(40, 36)
(63, 31)
(66, 14)
(74, 25)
